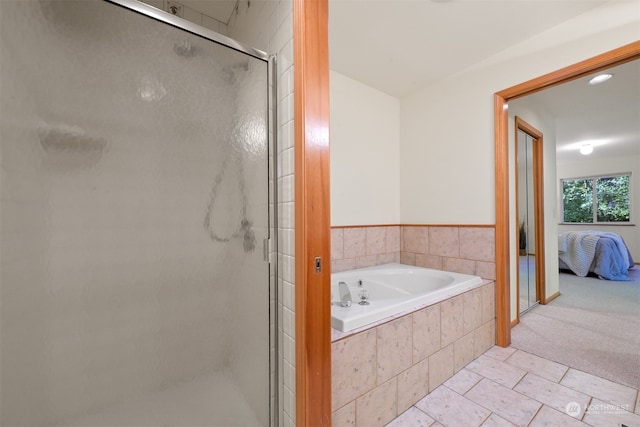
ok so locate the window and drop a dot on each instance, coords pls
(599, 199)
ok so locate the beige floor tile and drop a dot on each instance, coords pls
(500, 353)
(600, 413)
(449, 408)
(413, 417)
(600, 388)
(552, 394)
(463, 381)
(505, 402)
(638, 404)
(547, 417)
(497, 371)
(496, 421)
(537, 365)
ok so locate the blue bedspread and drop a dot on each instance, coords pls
(602, 253)
(613, 262)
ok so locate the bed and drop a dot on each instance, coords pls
(601, 253)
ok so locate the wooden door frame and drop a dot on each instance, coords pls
(312, 213)
(538, 200)
(609, 59)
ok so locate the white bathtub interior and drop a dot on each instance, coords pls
(391, 289)
(134, 205)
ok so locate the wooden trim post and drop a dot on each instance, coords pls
(312, 213)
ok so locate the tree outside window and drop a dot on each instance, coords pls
(596, 199)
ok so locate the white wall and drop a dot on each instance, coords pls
(602, 166)
(447, 133)
(446, 128)
(365, 161)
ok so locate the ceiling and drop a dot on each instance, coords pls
(607, 115)
(397, 46)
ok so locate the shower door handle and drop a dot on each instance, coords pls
(266, 244)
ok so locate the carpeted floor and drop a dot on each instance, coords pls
(593, 326)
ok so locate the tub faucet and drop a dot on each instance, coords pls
(345, 294)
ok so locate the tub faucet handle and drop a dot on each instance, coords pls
(345, 294)
(364, 296)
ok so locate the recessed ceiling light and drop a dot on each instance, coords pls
(600, 78)
(586, 149)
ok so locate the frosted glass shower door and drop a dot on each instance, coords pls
(134, 196)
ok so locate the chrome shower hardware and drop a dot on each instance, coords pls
(345, 294)
(364, 296)
(245, 232)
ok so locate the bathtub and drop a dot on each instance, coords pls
(392, 289)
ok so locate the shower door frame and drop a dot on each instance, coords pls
(271, 244)
(191, 27)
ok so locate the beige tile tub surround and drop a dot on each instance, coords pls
(359, 247)
(380, 372)
(462, 249)
(465, 249)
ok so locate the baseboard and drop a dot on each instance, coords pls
(552, 297)
(514, 322)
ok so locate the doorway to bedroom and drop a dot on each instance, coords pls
(592, 324)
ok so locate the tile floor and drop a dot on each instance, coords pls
(509, 387)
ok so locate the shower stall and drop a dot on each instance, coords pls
(137, 220)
